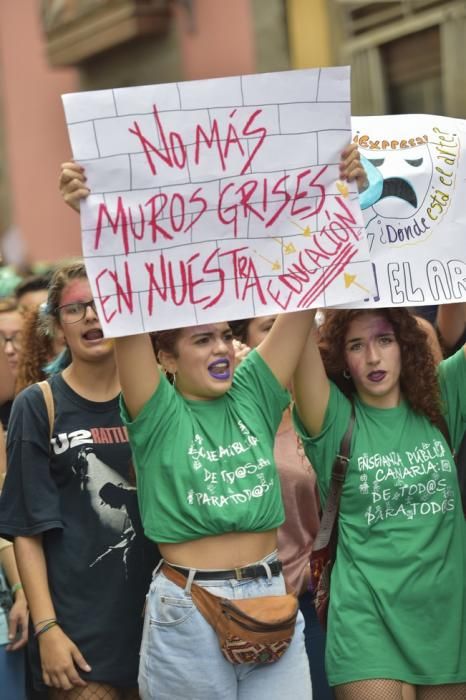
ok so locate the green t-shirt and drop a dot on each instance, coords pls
(398, 592)
(207, 467)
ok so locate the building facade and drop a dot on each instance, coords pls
(406, 56)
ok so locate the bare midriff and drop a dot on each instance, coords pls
(228, 551)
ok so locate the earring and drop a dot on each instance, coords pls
(171, 376)
(346, 374)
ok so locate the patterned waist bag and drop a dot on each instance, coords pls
(252, 630)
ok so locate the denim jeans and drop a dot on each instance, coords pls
(12, 674)
(314, 637)
(181, 657)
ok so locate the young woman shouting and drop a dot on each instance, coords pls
(208, 490)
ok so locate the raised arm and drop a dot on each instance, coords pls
(137, 366)
(311, 387)
(284, 343)
(138, 370)
(451, 323)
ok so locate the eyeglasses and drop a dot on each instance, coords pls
(16, 339)
(72, 313)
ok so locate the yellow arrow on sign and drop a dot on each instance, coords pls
(342, 188)
(275, 264)
(350, 279)
(306, 231)
(287, 247)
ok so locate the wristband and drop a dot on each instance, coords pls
(15, 588)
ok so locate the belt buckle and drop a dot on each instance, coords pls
(239, 574)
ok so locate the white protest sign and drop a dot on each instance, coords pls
(218, 199)
(416, 214)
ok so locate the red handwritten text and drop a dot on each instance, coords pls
(181, 281)
(174, 152)
(165, 216)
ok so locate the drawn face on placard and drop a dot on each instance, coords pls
(407, 174)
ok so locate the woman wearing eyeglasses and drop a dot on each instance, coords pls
(70, 506)
(11, 327)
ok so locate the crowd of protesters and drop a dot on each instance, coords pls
(92, 417)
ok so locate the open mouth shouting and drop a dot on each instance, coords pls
(93, 335)
(220, 369)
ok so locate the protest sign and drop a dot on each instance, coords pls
(218, 199)
(415, 215)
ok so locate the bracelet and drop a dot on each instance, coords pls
(48, 626)
(15, 588)
(41, 622)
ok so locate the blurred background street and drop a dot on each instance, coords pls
(407, 56)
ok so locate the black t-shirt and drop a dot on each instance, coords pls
(79, 495)
(5, 410)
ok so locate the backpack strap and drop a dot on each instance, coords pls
(327, 530)
(46, 389)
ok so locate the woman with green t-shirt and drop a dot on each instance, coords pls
(397, 616)
(208, 489)
(210, 497)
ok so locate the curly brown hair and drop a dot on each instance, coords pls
(38, 351)
(40, 326)
(418, 377)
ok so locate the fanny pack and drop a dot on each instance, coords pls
(250, 630)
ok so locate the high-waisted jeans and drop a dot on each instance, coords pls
(181, 657)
